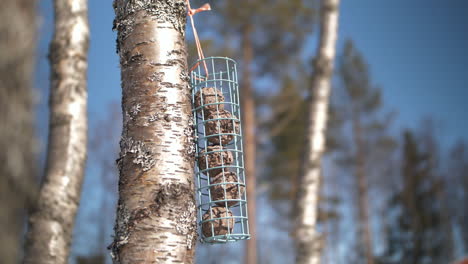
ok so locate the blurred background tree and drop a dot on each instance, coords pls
(51, 222)
(308, 240)
(457, 191)
(368, 142)
(18, 141)
(417, 208)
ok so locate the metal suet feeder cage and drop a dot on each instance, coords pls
(219, 168)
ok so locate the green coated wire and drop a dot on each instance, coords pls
(223, 77)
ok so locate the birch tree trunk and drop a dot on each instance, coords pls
(156, 214)
(18, 172)
(51, 223)
(309, 243)
(249, 143)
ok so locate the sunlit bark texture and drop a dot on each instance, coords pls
(17, 140)
(51, 222)
(156, 215)
(309, 243)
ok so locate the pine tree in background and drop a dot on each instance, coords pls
(287, 132)
(52, 220)
(18, 188)
(427, 135)
(457, 190)
(369, 146)
(156, 214)
(417, 234)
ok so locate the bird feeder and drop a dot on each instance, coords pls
(219, 168)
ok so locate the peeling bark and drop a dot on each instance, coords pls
(156, 214)
(51, 223)
(309, 242)
(18, 173)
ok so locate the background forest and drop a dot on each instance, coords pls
(395, 170)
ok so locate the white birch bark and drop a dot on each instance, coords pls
(308, 240)
(51, 223)
(156, 215)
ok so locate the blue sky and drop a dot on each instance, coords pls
(417, 51)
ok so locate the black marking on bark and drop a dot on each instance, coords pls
(322, 66)
(177, 119)
(155, 64)
(156, 77)
(173, 62)
(184, 77)
(169, 194)
(60, 119)
(137, 215)
(176, 52)
(167, 84)
(137, 58)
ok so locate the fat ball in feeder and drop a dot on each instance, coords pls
(214, 226)
(226, 188)
(217, 156)
(210, 98)
(222, 123)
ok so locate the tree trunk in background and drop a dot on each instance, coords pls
(308, 241)
(17, 138)
(365, 231)
(248, 105)
(156, 215)
(51, 223)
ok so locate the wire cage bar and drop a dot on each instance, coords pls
(219, 168)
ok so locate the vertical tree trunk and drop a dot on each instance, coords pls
(248, 105)
(156, 215)
(17, 138)
(51, 223)
(308, 241)
(365, 231)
